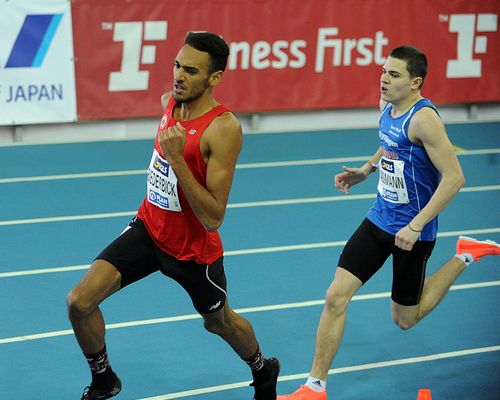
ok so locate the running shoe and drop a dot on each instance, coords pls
(265, 386)
(93, 393)
(304, 393)
(477, 248)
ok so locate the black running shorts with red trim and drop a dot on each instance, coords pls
(368, 249)
(135, 256)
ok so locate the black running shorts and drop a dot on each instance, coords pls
(135, 256)
(368, 249)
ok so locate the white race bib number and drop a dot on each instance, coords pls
(162, 184)
(391, 183)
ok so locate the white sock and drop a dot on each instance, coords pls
(466, 258)
(316, 384)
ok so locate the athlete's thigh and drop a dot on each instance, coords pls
(366, 251)
(205, 284)
(409, 272)
(100, 281)
(133, 253)
(342, 289)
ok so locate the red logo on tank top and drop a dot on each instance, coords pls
(391, 155)
(163, 122)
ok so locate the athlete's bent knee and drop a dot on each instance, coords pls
(336, 301)
(404, 323)
(215, 326)
(78, 305)
(225, 323)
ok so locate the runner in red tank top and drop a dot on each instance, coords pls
(175, 231)
(166, 211)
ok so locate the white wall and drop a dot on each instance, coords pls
(252, 124)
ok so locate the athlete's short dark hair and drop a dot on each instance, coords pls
(416, 61)
(214, 45)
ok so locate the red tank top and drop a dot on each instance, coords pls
(165, 211)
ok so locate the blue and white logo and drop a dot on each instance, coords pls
(390, 195)
(162, 166)
(387, 165)
(158, 199)
(37, 71)
(33, 40)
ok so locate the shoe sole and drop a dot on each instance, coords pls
(469, 239)
(116, 390)
(477, 248)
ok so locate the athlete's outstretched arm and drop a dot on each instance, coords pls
(352, 176)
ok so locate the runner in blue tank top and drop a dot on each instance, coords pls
(419, 176)
(408, 178)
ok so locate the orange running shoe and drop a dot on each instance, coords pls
(477, 248)
(304, 393)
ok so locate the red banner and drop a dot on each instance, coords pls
(285, 54)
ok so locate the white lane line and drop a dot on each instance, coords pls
(296, 163)
(250, 204)
(334, 371)
(247, 310)
(272, 164)
(66, 218)
(73, 176)
(39, 271)
(258, 250)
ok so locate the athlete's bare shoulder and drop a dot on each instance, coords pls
(226, 122)
(224, 133)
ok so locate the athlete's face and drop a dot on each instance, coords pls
(191, 78)
(395, 82)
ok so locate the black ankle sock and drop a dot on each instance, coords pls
(256, 362)
(102, 374)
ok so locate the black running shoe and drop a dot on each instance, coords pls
(93, 393)
(264, 381)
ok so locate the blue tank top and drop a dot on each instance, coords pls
(407, 177)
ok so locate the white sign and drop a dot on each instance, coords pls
(37, 77)
(130, 77)
(469, 43)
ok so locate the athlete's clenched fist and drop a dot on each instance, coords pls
(172, 141)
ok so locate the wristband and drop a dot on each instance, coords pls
(413, 230)
(372, 165)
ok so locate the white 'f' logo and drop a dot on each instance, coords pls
(130, 77)
(465, 66)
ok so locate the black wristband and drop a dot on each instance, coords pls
(413, 230)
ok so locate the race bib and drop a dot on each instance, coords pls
(162, 184)
(391, 183)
